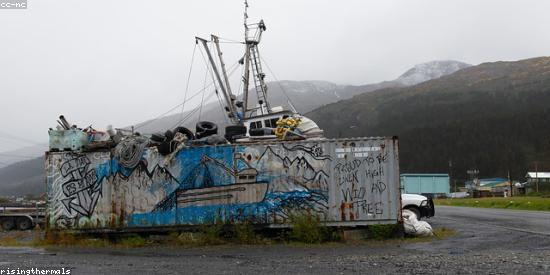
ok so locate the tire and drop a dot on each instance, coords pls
(188, 133)
(24, 223)
(169, 135)
(165, 148)
(7, 223)
(415, 210)
(206, 128)
(158, 137)
(233, 131)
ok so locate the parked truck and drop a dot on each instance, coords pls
(21, 217)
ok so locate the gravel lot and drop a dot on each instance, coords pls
(488, 241)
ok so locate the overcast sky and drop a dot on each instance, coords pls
(121, 62)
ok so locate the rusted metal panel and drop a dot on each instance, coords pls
(342, 182)
(67, 140)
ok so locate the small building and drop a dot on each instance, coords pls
(540, 180)
(490, 187)
(436, 185)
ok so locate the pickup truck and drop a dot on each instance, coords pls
(422, 206)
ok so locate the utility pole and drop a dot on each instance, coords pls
(511, 185)
(451, 175)
(537, 175)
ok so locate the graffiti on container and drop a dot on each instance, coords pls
(372, 208)
(80, 188)
(347, 172)
(264, 184)
(361, 181)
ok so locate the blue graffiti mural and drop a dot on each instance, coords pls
(263, 184)
(221, 184)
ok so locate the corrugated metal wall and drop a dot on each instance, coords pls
(425, 183)
(343, 182)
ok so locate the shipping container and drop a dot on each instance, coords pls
(343, 182)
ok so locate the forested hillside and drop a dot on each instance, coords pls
(494, 117)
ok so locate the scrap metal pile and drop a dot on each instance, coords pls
(128, 145)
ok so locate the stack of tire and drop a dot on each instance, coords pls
(166, 143)
(205, 129)
(233, 132)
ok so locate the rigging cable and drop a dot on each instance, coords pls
(213, 83)
(203, 92)
(174, 108)
(188, 79)
(278, 82)
(229, 41)
(208, 71)
(189, 115)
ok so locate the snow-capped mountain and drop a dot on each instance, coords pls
(430, 70)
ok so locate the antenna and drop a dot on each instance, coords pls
(245, 19)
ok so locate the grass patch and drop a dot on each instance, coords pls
(10, 241)
(69, 239)
(244, 233)
(520, 203)
(439, 233)
(132, 241)
(443, 233)
(304, 229)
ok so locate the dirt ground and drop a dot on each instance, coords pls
(488, 241)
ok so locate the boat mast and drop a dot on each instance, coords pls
(229, 97)
(246, 75)
(253, 35)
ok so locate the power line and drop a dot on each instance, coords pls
(17, 156)
(17, 138)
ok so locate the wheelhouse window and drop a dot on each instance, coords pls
(271, 123)
(255, 124)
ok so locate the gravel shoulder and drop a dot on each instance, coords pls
(482, 245)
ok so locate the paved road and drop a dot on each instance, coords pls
(536, 222)
(488, 242)
(486, 229)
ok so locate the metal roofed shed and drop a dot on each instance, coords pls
(433, 184)
(537, 182)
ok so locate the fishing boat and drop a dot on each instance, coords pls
(245, 116)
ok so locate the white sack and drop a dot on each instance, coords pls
(415, 227)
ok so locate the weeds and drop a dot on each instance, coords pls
(244, 233)
(212, 234)
(307, 229)
(382, 231)
(9, 241)
(443, 232)
(133, 241)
